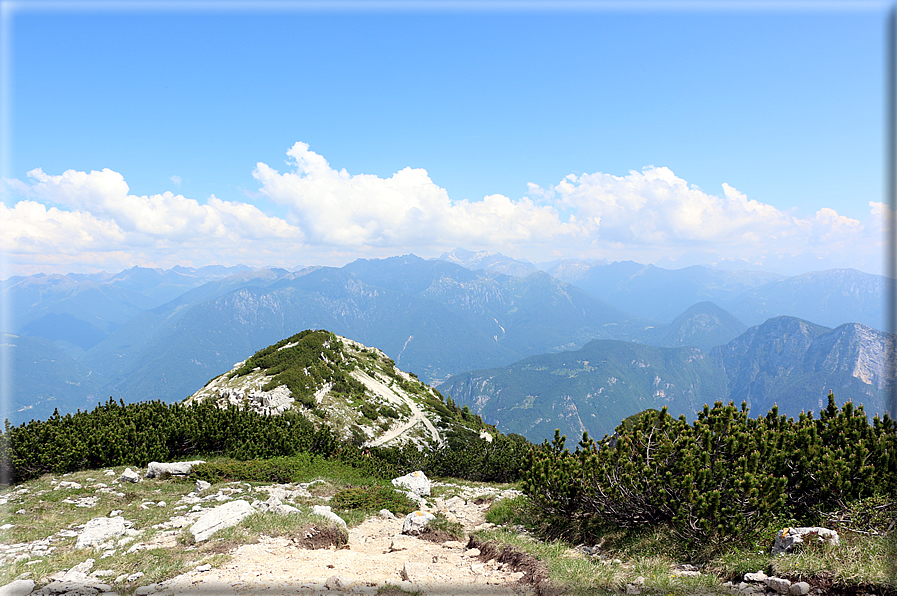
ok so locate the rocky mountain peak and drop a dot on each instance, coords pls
(355, 389)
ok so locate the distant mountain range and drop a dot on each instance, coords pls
(151, 334)
(784, 361)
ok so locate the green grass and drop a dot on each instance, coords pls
(867, 556)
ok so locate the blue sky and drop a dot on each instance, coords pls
(596, 133)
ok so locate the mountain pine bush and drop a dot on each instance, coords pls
(725, 475)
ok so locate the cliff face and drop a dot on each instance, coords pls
(795, 364)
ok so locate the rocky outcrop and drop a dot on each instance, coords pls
(99, 530)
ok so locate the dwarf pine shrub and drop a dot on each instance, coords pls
(725, 475)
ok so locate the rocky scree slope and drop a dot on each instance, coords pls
(356, 390)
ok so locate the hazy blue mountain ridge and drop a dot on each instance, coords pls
(433, 317)
(786, 361)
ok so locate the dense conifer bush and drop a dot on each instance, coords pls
(722, 476)
(116, 434)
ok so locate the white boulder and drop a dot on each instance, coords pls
(129, 475)
(223, 516)
(415, 522)
(324, 511)
(415, 482)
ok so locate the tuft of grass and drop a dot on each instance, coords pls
(859, 560)
(391, 590)
(443, 529)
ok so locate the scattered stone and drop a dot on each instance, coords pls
(416, 521)
(416, 573)
(129, 475)
(338, 582)
(99, 530)
(134, 576)
(202, 568)
(150, 589)
(202, 485)
(755, 577)
(223, 516)
(799, 589)
(788, 538)
(79, 571)
(780, 585)
(387, 514)
(324, 511)
(181, 468)
(416, 482)
(67, 484)
(273, 505)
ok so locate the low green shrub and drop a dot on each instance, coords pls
(374, 498)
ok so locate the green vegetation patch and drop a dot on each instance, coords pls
(373, 498)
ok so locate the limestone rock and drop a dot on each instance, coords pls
(415, 482)
(788, 538)
(778, 584)
(415, 522)
(129, 475)
(223, 516)
(387, 514)
(799, 589)
(99, 530)
(202, 485)
(20, 587)
(324, 511)
(755, 577)
(274, 505)
(180, 468)
(79, 571)
(338, 582)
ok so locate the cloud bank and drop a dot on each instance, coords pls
(89, 220)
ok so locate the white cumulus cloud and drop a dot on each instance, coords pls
(336, 216)
(407, 209)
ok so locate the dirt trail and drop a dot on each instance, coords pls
(417, 415)
(377, 554)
